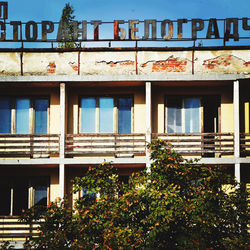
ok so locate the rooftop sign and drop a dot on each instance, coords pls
(131, 30)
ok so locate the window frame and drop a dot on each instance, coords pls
(115, 113)
(31, 111)
(183, 125)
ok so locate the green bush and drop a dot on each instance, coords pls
(179, 204)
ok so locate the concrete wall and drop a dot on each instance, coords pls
(126, 62)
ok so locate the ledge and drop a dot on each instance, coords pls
(122, 78)
(99, 160)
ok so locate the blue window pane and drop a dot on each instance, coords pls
(106, 106)
(192, 115)
(88, 114)
(40, 195)
(5, 115)
(40, 186)
(41, 116)
(90, 195)
(22, 116)
(124, 115)
(174, 120)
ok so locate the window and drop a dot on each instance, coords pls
(5, 116)
(41, 116)
(124, 115)
(39, 191)
(24, 115)
(21, 193)
(105, 114)
(183, 114)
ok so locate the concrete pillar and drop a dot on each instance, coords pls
(148, 122)
(236, 102)
(62, 139)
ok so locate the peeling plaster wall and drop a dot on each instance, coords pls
(164, 62)
(222, 62)
(126, 63)
(108, 63)
(10, 64)
(50, 63)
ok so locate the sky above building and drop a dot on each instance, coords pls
(110, 10)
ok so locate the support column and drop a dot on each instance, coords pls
(148, 123)
(236, 102)
(62, 140)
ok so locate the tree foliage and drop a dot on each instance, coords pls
(67, 27)
(178, 205)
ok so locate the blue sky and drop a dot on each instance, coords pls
(109, 10)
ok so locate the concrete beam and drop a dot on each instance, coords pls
(72, 161)
(148, 121)
(236, 102)
(21, 162)
(99, 160)
(237, 172)
(62, 139)
(219, 161)
(122, 78)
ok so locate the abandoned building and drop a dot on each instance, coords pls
(63, 110)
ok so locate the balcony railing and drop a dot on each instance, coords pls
(200, 144)
(29, 145)
(115, 145)
(245, 144)
(12, 229)
(119, 145)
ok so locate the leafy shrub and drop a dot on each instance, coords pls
(179, 204)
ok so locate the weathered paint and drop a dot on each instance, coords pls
(171, 64)
(227, 62)
(50, 63)
(126, 63)
(108, 63)
(164, 62)
(10, 64)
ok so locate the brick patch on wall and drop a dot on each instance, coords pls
(51, 68)
(225, 61)
(172, 64)
(118, 63)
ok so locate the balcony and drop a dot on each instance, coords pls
(114, 145)
(245, 144)
(29, 145)
(119, 145)
(200, 144)
(12, 229)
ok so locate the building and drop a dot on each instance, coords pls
(63, 110)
